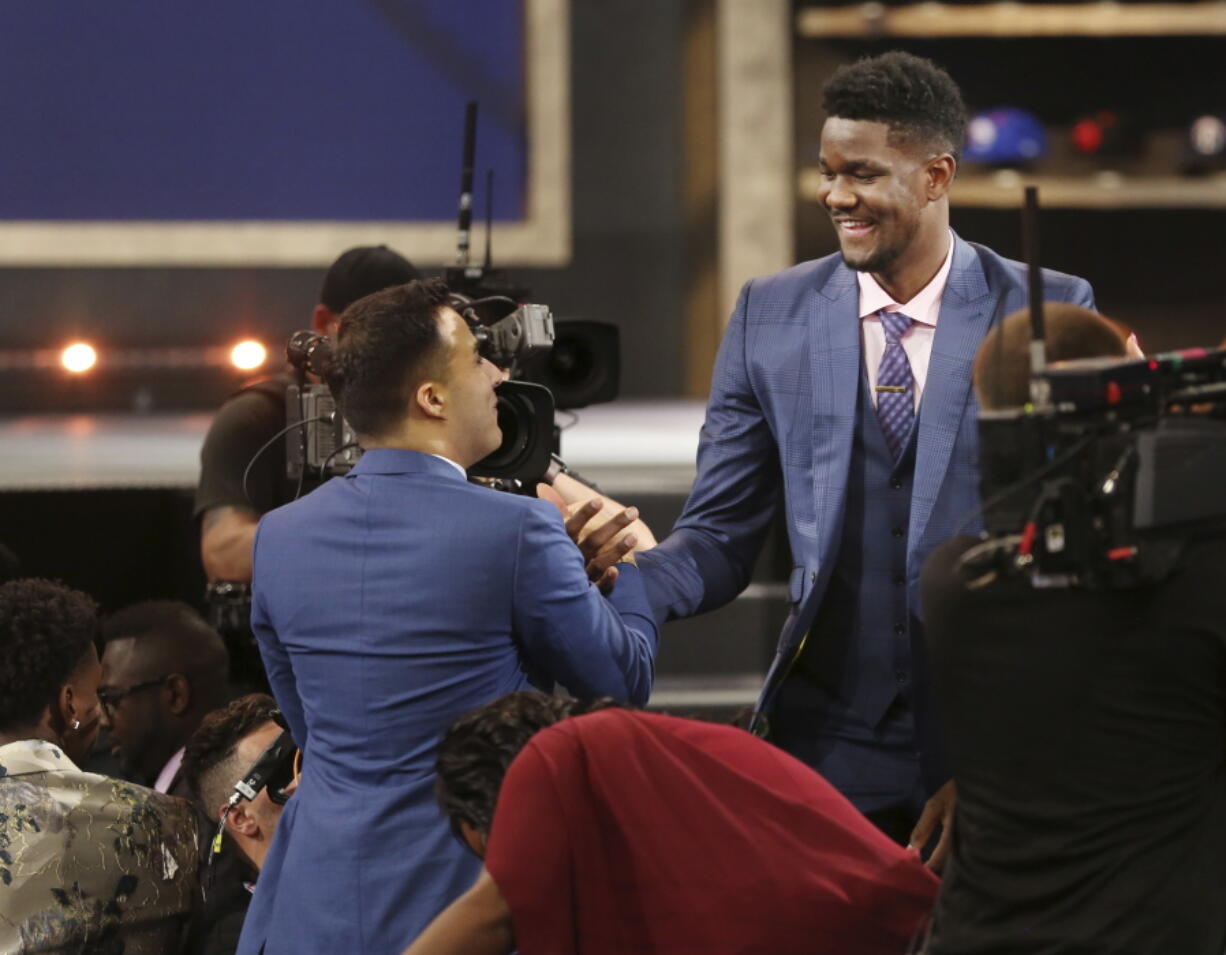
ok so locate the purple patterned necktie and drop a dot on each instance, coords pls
(895, 384)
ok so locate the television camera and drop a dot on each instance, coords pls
(567, 365)
(1108, 471)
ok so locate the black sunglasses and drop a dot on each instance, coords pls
(111, 698)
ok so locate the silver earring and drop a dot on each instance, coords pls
(76, 724)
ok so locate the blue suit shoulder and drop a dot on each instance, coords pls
(771, 297)
(503, 504)
(813, 273)
(498, 505)
(1057, 286)
(302, 509)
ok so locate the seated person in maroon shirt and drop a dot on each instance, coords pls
(621, 831)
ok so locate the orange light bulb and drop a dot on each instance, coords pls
(78, 357)
(248, 355)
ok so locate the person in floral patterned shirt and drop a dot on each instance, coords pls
(87, 863)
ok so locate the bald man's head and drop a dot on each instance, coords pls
(163, 669)
(168, 627)
(1002, 366)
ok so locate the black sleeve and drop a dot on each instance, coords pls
(1194, 599)
(241, 428)
(222, 936)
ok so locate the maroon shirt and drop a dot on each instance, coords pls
(622, 831)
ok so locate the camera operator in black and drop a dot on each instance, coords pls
(228, 511)
(1086, 730)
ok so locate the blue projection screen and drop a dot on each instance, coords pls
(276, 132)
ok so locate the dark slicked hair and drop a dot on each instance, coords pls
(211, 765)
(479, 747)
(386, 344)
(917, 99)
(1002, 366)
(46, 630)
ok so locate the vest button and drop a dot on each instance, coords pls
(899, 629)
(900, 579)
(896, 532)
(895, 483)
(901, 676)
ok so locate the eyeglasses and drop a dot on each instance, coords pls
(111, 698)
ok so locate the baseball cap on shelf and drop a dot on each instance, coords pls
(1003, 136)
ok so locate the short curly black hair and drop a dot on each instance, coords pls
(46, 629)
(479, 747)
(917, 99)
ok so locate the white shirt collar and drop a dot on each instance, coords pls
(463, 473)
(923, 307)
(169, 771)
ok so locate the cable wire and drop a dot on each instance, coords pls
(269, 443)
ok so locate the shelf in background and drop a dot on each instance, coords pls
(1106, 190)
(931, 19)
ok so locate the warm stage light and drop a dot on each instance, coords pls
(1207, 136)
(78, 357)
(248, 355)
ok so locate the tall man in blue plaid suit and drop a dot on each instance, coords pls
(844, 383)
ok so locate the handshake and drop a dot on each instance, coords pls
(606, 532)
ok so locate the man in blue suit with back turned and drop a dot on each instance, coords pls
(844, 383)
(388, 602)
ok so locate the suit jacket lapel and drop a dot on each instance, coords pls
(834, 336)
(961, 325)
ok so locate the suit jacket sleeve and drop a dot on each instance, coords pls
(276, 658)
(591, 645)
(708, 558)
(1080, 293)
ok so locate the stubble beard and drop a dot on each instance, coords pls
(883, 257)
(879, 260)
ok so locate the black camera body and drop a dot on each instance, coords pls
(522, 335)
(1102, 487)
(327, 445)
(511, 333)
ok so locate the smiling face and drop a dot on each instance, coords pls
(884, 196)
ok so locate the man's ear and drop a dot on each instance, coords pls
(476, 838)
(179, 692)
(242, 823)
(940, 176)
(63, 709)
(325, 321)
(431, 399)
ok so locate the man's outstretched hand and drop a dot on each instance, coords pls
(605, 531)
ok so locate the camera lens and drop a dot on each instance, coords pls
(514, 421)
(570, 363)
(525, 417)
